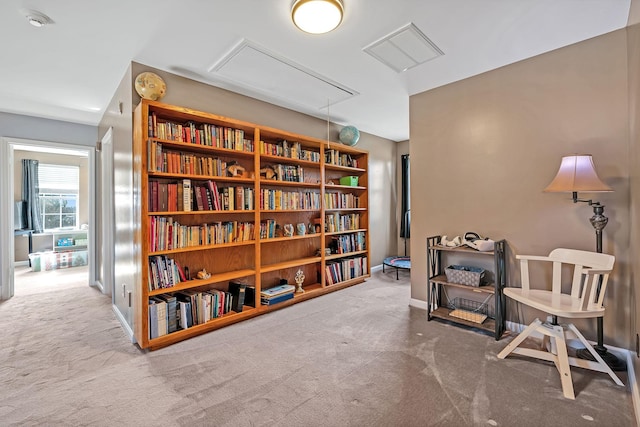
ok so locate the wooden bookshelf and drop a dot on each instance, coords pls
(278, 178)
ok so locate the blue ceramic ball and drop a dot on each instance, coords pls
(349, 135)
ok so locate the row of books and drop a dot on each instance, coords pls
(164, 272)
(341, 201)
(185, 196)
(288, 200)
(166, 234)
(334, 157)
(338, 222)
(200, 133)
(277, 294)
(291, 150)
(181, 310)
(288, 173)
(345, 269)
(348, 243)
(184, 309)
(160, 160)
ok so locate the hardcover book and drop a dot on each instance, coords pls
(277, 290)
(237, 290)
(276, 299)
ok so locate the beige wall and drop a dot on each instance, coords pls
(382, 154)
(484, 148)
(633, 49)
(634, 13)
(45, 242)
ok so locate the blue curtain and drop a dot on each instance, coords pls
(30, 190)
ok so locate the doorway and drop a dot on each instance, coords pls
(12, 150)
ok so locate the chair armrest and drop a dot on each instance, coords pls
(533, 258)
(524, 267)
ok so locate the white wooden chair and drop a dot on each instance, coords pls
(583, 301)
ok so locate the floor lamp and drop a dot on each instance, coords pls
(578, 174)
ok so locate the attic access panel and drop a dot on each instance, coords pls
(253, 67)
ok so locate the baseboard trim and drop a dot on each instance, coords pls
(418, 303)
(633, 386)
(21, 263)
(376, 268)
(98, 284)
(123, 322)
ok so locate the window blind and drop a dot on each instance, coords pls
(58, 179)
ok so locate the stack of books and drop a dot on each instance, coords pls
(277, 294)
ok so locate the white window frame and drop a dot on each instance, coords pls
(61, 185)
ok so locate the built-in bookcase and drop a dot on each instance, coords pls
(236, 201)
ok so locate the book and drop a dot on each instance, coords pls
(237, 290)
(153, 319)
(186, 195)
(198, 195)
(250, 296)
(277, 290)
(172, 319)
(276, 299)
(162, 316)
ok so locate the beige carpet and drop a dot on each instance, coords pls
(358, 357)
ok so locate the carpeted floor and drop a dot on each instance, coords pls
(357, 357)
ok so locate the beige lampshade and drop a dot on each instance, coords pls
(577, 174)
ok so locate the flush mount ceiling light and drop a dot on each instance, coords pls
(37, 19)
(317, 16)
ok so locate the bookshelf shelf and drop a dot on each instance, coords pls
(285, 239)
(202, 177)
(207, 212)
(338, 256)
(289, 264)
(344, 168)
(337, 233)
(343, 187)
(185, 146)
(179, 154)
(274, 183)
(346, 209)
(202, 248)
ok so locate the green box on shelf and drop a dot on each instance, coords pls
(351, 181)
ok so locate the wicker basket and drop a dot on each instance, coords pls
(463, 275)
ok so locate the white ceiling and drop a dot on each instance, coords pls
(69, 70)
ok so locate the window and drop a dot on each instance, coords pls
(58, 195)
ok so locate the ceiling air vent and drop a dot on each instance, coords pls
(404, 48)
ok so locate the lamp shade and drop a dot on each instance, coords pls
(317, 16)
(577, 174)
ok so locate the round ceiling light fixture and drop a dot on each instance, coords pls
(317, 16)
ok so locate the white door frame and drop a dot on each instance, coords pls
(7, 255)
(108, 214)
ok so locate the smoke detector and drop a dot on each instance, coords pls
(36, 18)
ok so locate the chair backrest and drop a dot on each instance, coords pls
(590, 268)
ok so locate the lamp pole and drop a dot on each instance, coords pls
(599, 221)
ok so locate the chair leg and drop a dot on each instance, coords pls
(518, 340)
(562, 362)
(599, 365)
(554, 335)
